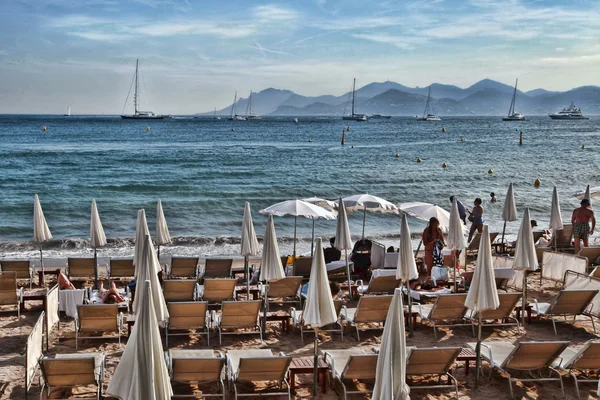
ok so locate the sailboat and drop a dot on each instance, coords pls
(249, 113)
(426, 115)
(215, 115)
(353, 116)
(136, 99)
(68, 113)
(232, 115)
(512, 115)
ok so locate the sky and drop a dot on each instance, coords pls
(195, 54)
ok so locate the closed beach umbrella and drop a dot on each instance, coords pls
(455, 240)
(525, 255)
(319, 310)
(390, 378)
(369, 202)
(483, 294)
(97, 237)
(148, 271)
(589, 193)
(556, 222)
(142, 372)
(406, 269)
(41, 232)
(317, 201)
(343, 240)
(270, 266)
(162, 230)
(425, 211)
(509, 213)
(141, 231)
(298, 208)
(249, 243)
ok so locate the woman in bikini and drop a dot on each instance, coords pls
(476, 217)
(431, 236)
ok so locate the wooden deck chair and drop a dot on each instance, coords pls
(592, 254)
(21, 267)
(283, 291)
(564, 238)
(384, 284)
(218, 290)
(81, 268)
(236, 315)
(436, 361)
(302, 267)
(568, 303)
(337, 327)
(258, 366)
(199, 367)
(186, 316)
(369, 310)
(535, 358)
(97, 318)
(73, 370)
(183, 267)
(121, 268)
(595, 272)
(578, 362)
(349, 365)
(10, 294)
(181, 290)
(218, 268)
(448, 310)
(473, 245)
(503, 314)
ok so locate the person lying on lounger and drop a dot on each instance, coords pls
(110, 296)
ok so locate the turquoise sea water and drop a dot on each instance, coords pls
(204, 171)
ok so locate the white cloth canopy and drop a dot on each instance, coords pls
(142, 372)
(141, 231)
(41, 232)
(298, 208)
(390, 378)
(343, 240)
(425, 211)
(368, 202)
(407, 267)
(270, 266)
(525, 255)
(483, 294)
(249, 241)
(162, 230)
(556, 222)
(455, 239)
(97, 236)
(149, 268)
(318, 307)
(509, 213)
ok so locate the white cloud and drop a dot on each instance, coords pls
(401, 42)
(274, 13)
(560, 49)
(99, 36)
(195, 28)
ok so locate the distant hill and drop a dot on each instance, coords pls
(486, 97)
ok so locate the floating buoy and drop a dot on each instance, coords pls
(147, 128)
(490, 171)
(462, 139)
(262, 134)
(343, 138)
(232, 130)
(520, 138)
(397, 155)
(418, 159)
(352, 146)
(583, 147)
(443, 130)
(444, 165)
(309, 140)
(44, 128)
(537, 183)
(348, 128)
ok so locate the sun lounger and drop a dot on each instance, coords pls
(183, 267)
(383, 284)
(564, 238)
(283, 291)
(592, 254)
(448, 310)
(81, 268)
(302, 267)
(179, 290)
(218, 290)
(568, 303)
(97, 318)
(530, 357)
(238, 315)
(186, 316)
(503, 314)
(349, 365)
(337, 327)
(73, 370)
(436, 361)
(578, 362)
(218, 268)
(473, 245)
(199, 367)
(21, 267)
(121, 268)
(369, 310)
(9, 293)
(258, 365)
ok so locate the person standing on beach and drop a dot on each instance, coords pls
(476, 217)
(432, 237)
(331, 253)
(581, 224)
(462, 211)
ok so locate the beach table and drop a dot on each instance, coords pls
(305, 365)
(33, 297)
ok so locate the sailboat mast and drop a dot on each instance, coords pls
(353, 89)
(249, 105)
(233, 105)
(427, 103)
(135, 95)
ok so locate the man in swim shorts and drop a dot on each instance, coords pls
(581, 224)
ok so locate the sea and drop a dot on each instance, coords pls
(204, 170)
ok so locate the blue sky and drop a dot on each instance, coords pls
(194, 54)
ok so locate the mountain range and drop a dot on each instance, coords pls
(486, 97)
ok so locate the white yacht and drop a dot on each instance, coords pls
(249, 113)
(354, 116)
(233, 116)
(570, 112)
(426, 115)
(137, 114)
(512, 115)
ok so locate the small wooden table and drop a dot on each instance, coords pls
(305, 365)
(528, 309)
(353, 288)
(130, 319)
(284, 319)
(254, 292)
(33, 297)
(467, 355)
(415, 314)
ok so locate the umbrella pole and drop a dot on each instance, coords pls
(266, 305)
(503, 230)
(348, 275)
(42, 283)
(524, 299)
(410, 325)
(294, 254)
(454, 269)
(247, 272)
(95, 269)
(312, 242)
(478, 353)
(364, 220)
(316, 363)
